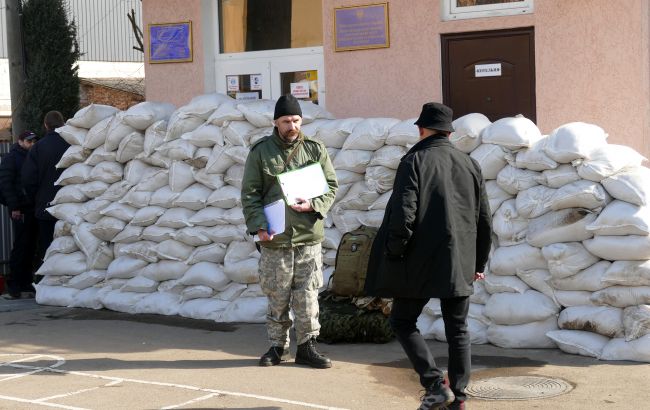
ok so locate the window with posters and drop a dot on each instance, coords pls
(467, 9)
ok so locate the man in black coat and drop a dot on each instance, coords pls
(39, 175)
(434, 242)
(21, 259)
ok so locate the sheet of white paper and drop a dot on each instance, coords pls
(306, 183)
(274, 213)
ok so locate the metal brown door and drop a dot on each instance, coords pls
(490, 72)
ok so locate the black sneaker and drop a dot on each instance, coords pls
(274, 356)
(456, 405)
(11, 296)
(437, 396)
(307, 354)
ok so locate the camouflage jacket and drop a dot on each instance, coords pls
(260, 187)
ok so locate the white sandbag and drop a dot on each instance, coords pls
(136, 171)
(231, 291)
(567, 258)
(560, 176)
(628, 273)
(636, 322)
(510, 227)
(630, 185)
(164, 270)
(241, 262)
(234, 175)
(196, 292)
(117, 130)
(348, 177)
(513, 180)
(527, 336)
(496, 195)
(329, 257)
(403, 133)
(223, 234)
(90, 115)
(534, 158)
(200, 158)
(312, 112)
(180, 123)
(534, 202)
(102, 258)
(209, 216)
(96, 136)
(380, 179)
(580, 194)
(370, 134)
(424, 323)
(569, 298)
(518, 308)
(159, 303)
(342, 192)
(93, 189)
(636, 350)
(173, 286)
(606, 321)
(247, 310)
(622, 218)
(55, 295)
(234, 216)
(84, 239)
(206, 274)
(589, 279)
(353, 160)
(334, 133)
(381, 202)
(120, 211)
(607, 160)
(64, 264)
(147, 216)
(173, 250)
(237, 153)
(372, 218)
(89, 211)
(140, 284)
(212, 181)
(498, 284)
(62, 228)
(130, 234)
(50, 280)
(122, 301)
(359, 197)
(142, 115)
(202, 106)
(193, 197)
(332, 238)
(259, 113)
(227, 111)
(192, 236)
(506, 260)
(225, 197)
(238, 133)
(177, 150)
(480, 295)
(566, 225)
(512, 133)
(115, 191)
(144, 250)
(157, 233)
(579, 342)
(477, 331)
(538, 279)
(163, 197)
(214, 253)
(346, 220)
(76, 174)
(629, 247)
(204, 308)
(491, 158)
(124, 267)
(388, 156)
(71, 156)
(130, 147)
(69, 194)
(100, 155)
(90, 298)
(107, 227)
(467, 131)
(136, 199)
(331, 152)
(327, 274)
(67, 212)
(66, 244)
(72, 135)
(622, 296)
(175, 218)
(154, 137)
(573, 141)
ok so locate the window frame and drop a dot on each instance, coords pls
(450, 11)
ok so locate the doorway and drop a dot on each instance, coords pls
(490, 72)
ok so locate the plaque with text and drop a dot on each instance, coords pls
(170, 42)
(361, 27)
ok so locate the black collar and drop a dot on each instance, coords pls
(430, 141)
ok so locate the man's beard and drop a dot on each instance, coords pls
(290, 136)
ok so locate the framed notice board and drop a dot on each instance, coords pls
(170, 42)
(361, 27)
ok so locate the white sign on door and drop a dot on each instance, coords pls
(487, 70)
(256, 81)
(300, 90)
(233, 82)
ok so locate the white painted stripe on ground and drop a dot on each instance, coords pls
(58, 406)
(198, 399)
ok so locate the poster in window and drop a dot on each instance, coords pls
(170, 42)
(361, 27)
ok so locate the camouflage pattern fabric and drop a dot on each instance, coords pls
(290, 278)
(342, 320)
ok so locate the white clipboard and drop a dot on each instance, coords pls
(307, 182)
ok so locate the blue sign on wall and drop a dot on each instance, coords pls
(170, 43)
(360, 27)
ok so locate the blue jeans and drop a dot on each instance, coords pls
(403, 319)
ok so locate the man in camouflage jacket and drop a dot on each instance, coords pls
(291, 261)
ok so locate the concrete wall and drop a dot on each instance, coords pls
(592, 64)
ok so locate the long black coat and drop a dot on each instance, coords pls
(436, 232)
(39, 172)
(10, 182)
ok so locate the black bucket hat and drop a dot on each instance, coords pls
(436, 116)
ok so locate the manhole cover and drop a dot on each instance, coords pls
(518, 388)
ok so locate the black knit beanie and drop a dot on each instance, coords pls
(287, 105)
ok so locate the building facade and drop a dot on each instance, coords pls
(555, 61)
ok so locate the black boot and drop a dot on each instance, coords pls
(274, 356)
(307, 354)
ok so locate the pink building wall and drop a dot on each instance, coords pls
(592, 64)
(176, 83)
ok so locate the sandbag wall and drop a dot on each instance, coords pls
(151, 222)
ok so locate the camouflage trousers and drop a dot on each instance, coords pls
(290, 278)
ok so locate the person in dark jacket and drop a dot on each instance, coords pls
(21, 259)
(39, 174)
(433, 242)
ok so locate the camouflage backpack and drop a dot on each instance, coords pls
(351, 263)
